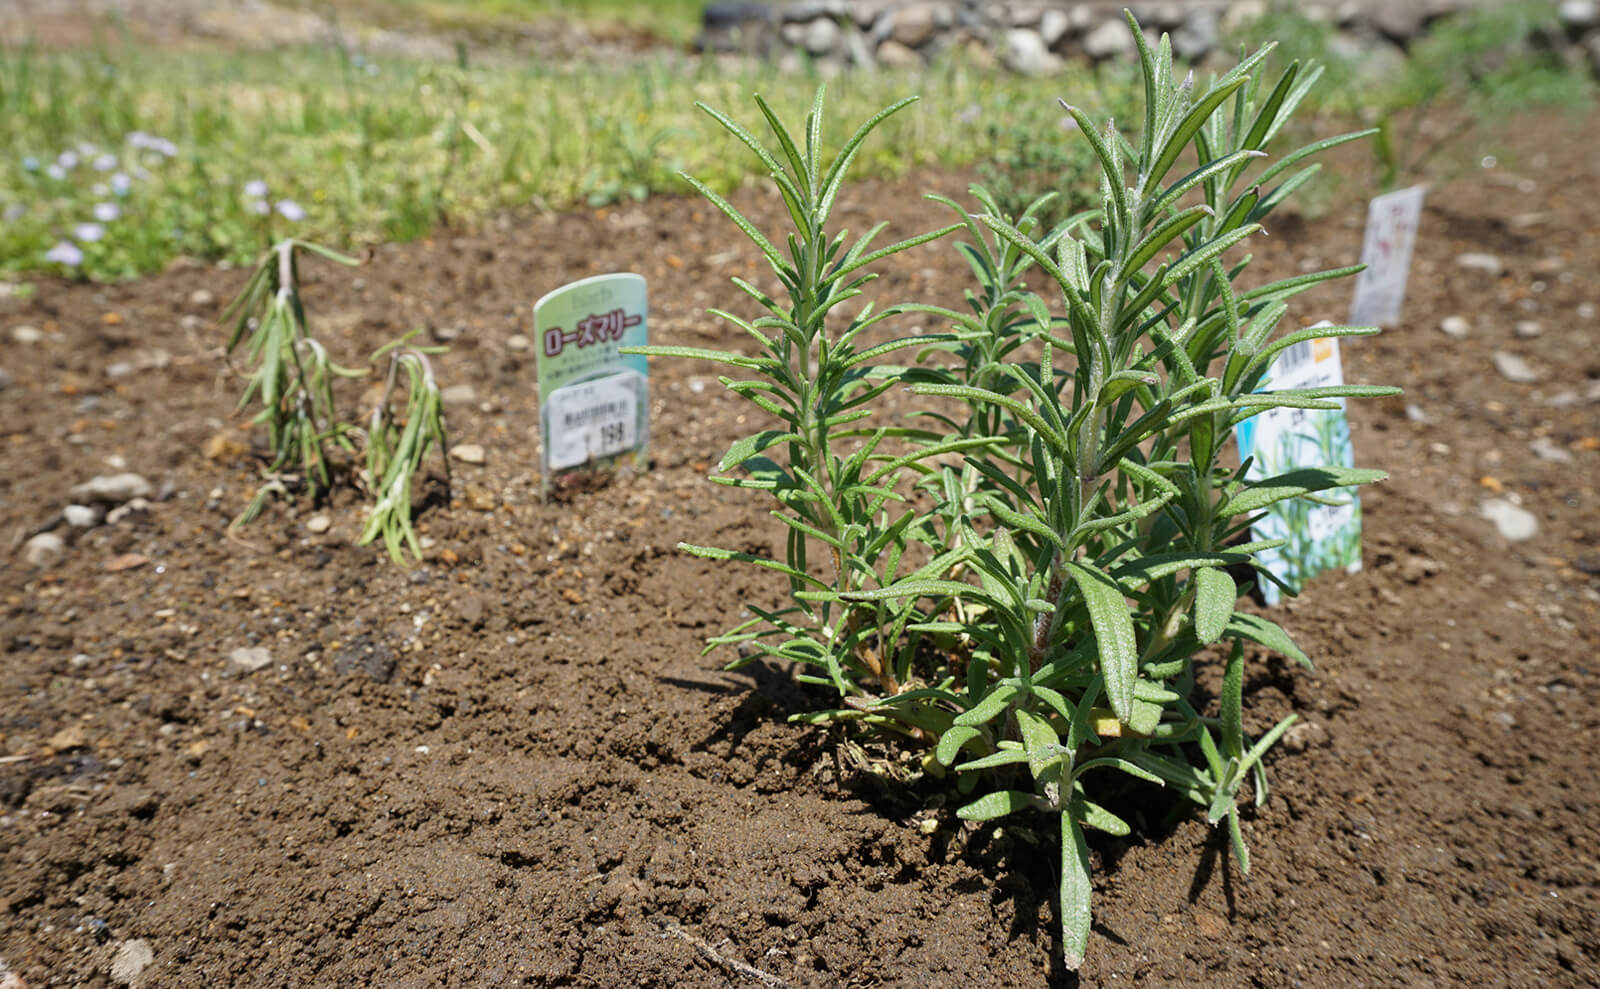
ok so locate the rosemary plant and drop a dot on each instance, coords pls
(395, 451)
(292, 378)
(1038, 628)
(292, 375)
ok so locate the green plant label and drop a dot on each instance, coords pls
(1391, 233)
(1320, 537)
(595, 412)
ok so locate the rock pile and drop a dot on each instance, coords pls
(1037, 36)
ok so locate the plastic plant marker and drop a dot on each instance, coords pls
(594, 401)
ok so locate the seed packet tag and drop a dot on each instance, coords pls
(1391, 233)
(1320, 537)
(595, 410)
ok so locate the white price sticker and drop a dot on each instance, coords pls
(592, 419)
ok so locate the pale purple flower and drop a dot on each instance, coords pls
(66, 253)
(30, 164)
(255, 189)
(56, 172)
(138, 138)
(291, 210)
(106, 212)
(120, 184)
(88, 232)
(105, 162)
(260, 207)
(67, 159)
(88, 150)
(164, 147)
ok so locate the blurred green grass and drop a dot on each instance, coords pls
(378, 149)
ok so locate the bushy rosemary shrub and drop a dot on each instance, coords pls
(1038, 627)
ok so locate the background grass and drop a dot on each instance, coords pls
(388, 149)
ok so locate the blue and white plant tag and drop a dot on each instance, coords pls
(1319, 537)
(594, 413)
(1386, 251)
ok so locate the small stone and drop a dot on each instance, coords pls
(44, 549)
(1054, 25)
(1489, 264)
(468, 453)
(1586, 310)
(1546, 449)
(1305, 735)
(1109, 40)
(248, 659)
(1528, 328)
(480, 498)
(1579, 15)
(893, 55)
(1415, 413)
(27, 334)
(318, 524)
(821, 36)
(1514, 368)
(135, 506)
(1455, 327)
(1515, 524)
(462, 394)
(6, 379)
(517, 341)
(69, 738)
(132, 958)
(81, 516)
(113, 489)
(126, 561)
(1197, 36)
(1027, 53)
(202, 298)
(913, 26)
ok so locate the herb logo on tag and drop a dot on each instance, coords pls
(1323, 531)
(594, 400)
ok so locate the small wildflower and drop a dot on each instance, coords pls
(164, 147)
(106, 212)
(291, 210)
(30, 164)
(88, 150)
(141, 174)
(55, 171)
(67, 159)
(120, 184)
(105, 162)
(88, 232)
(255, 189)
(138, 139)
(260, 207)
(66, 253)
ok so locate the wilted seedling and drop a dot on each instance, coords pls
(291, 379)
(395, 451)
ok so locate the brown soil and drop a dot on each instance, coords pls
(512, 764)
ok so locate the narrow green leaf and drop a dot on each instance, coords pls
(951, 742)
(997, 804)
(1077, 889)
(1293, 484)
(1267, 633)
(1214, 596)
(1113, 630)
